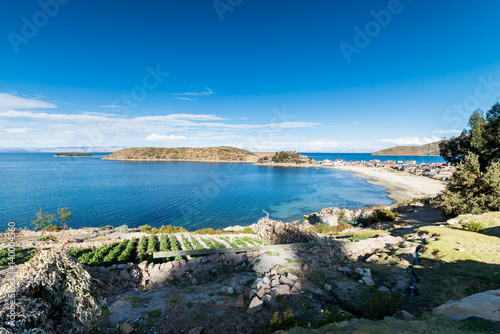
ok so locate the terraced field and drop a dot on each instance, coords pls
(138, 250)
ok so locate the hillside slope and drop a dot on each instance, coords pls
(220, 153)
(427, 149)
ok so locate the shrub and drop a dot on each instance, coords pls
(473, 226)
(471, 190)
(340, 227)
(277, 323)
(51, 228)
(122, 229)
(208, 231)
(169, 229)
(145, 228)
(48, 238)
(382, 216)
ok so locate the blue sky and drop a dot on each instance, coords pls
(312, 76)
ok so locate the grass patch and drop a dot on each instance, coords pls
(362, 235)
(428, 323)
(273, 253)
(458, 264)
(154, 313)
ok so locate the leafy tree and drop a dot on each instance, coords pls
(472, 190)
(43, 219)
(64, 216)
(482, 139)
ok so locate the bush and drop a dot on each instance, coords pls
(473, 226)
(208, 231)
(51, 228)
(145, 228)
(122, 229)
(277, 323)
(382, 216)
(321, 228)
(471, 190)
(169, 229)
(340, 227)
(48, 238)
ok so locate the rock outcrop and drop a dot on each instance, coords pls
(484, 305)
(275, 232)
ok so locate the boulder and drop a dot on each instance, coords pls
(227, 290)
(124, 275)
(368, 281)
(485, 305)
(283, 290)
(255, 305)
(214, 258)
(404, 315)
(270, 301)
(126, 328)
(196, 330)
(143, 265)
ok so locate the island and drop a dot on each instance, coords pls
(431, 149)
(205, 154)
(65, 155)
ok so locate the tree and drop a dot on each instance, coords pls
(482, 139)
(472, 190)
(64, 216)
(43, 219)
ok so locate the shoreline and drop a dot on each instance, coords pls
(178, 160)
(400, 186)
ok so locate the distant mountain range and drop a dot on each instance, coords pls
(60, 149)
(422, 150)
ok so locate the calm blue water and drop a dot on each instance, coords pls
(193, 195)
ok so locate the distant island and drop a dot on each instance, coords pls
(431, 149)
(61, 155)
(208, 154)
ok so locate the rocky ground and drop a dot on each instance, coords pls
(364, 277)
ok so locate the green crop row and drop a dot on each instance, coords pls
(95, 257)
(127, 253)
(112, 256)
(196, 244)
(174, 246)
(143, 247)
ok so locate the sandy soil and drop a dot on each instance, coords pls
(401, 186)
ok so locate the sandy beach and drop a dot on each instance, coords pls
(400, 185)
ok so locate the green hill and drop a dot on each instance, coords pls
(220, 153)
(427, 149)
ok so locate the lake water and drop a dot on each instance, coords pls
(192, 195)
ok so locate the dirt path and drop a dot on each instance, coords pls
(418, 215)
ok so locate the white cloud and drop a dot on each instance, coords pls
(182, 98)
(411, 140)
(156, 137)
(206, 92)
(10, 101)
(109, 106)
(17, 130)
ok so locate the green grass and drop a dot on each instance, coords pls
(362, 235)
(490, 221)
(459, 263)
(428, 323)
